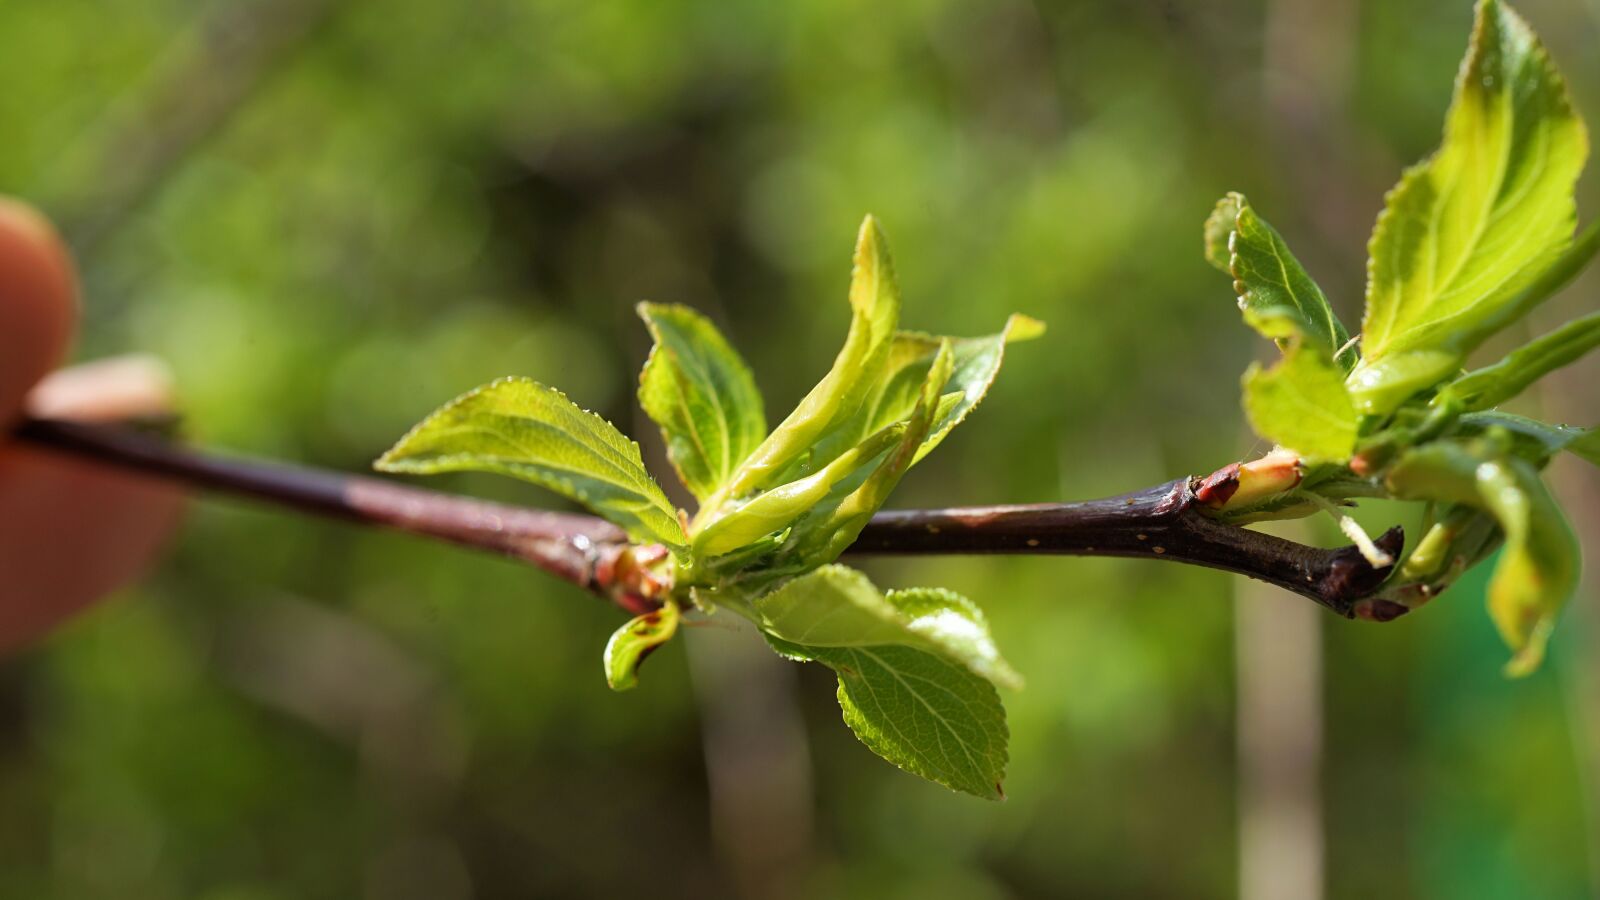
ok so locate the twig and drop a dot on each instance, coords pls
(1163, 522)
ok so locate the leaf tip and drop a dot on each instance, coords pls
(1021, 327)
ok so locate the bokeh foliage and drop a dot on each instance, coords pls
(413, 199)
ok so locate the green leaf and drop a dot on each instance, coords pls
(520, 428)
(1532, 439)
(832, 606)
(976, 362)
(836, 606)
(821, 538)
(735, 525)
(957, 628)
(1459, 539)
(857, 370)
(1493, 385)
(1301, 403)
(919, 711)
(702, 396)
(1467, 231)
(1276, 295)
(631, 643)
(1538, 570)
(1587, 445)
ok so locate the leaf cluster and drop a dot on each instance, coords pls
(1468, 242)
(917, 668)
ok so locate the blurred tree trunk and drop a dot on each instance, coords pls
(1309, 48)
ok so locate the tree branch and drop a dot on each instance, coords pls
(1162, 522)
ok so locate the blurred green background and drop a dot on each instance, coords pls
(331, 215)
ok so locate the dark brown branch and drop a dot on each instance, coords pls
(1163, 522)
(567, 546)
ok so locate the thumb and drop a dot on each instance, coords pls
(38, 309)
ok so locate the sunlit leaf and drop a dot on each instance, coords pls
(1465, 232)
(1301, 403)
(957, 628)
(836, 606)
(631, 643)
(824, 537)
(920, 711)
(701, 395)
(976, 362)
(734, 524)
(1276, 295)
(521, 428)
(856, 372)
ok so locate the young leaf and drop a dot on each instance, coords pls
(1491, 386)
(1531, 439)
(518, 427)
(958, 628)
(976, 363)
(773, 510)
(631, 643)
(1465, 232)
(836, 606)
(702, 396)
(875, 309)
(1461, 537)
(832, 606)
(919, 711)
(823, 537)
(1538, 571)
(1301, 403)
(1278, 298)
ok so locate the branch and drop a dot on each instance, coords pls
(1163, 522)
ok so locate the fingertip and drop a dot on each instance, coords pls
(38, 306)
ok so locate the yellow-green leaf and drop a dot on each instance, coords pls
(1277, 296)
(521, 428)
(1301, 403)
(1464, 232)
(975, 363)
(700, 393)
(735, 525)
(1538, 570)
(836, 606)
(857, 370)
(631, 643)
(824, 537)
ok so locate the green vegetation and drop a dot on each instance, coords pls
(1469, 242)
